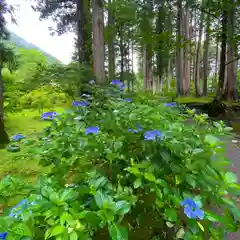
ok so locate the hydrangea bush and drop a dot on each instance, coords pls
(128, 170)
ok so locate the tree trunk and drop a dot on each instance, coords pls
(98, 40)
(132, 81)
(169, 74)
(111, 52)
(121, 52)
(195, 45)
(216, 61)
(187, 53)
(205, 56)
(147, 67)
(198, 53)
(231, 92)
(219, 95)
(180, 51)
(83, 32)
(3, 134)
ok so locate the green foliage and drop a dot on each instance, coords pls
(44, 97)
(115, 184)
(37, 83)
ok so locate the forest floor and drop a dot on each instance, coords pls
(28, 123)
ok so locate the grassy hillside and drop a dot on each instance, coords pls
(22, 43)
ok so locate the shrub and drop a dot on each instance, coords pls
(44, 97)
(126, 170)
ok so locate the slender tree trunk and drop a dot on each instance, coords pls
(231, 90)
(121, 53)
(219, 95)
(187, 54)
(132, 65)
(147, 67)
(83, 32)
(3, 134)
(198, 53)
(111, 52)
(216, 61)
(195, 45)
(180, 51)
(98, 40)
(205, 56)
(169, 75)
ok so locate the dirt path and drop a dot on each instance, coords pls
(233, 153)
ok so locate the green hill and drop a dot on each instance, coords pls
(22, 43)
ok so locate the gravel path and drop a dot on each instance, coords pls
(233, 153)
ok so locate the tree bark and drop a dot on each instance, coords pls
(98, 41)
(121, 52)
(231, 92)
(217, 57)
(197, 63)
(111, 52)
(219, 95)
(169, 74)
(195, 45)
(187, 53)
(83, 32)
(147, 67)
(205, 56)
(180, 51)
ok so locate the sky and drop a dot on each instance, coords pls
(35, 31)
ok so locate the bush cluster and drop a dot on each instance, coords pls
(123, 168)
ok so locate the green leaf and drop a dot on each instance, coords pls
(99, 198)
(90, 217)
(117, 232)
(65, 218)
(21, 229)
(123, 207)
(150, 177)
(180, 234)
(231, 177)
(200, 226)
(57, 230)
(159, 203)
(48, 233)
(211, 140)
(137, 183)
(228, 129)
(171, 214)
(165, 156)
(73, 236)
(170, 225)
(135, 171)
(214, 218)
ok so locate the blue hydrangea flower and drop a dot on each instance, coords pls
(192, 209)
(3, 235)
(128, 100)
(91, 82)
(80, 104)
(18, 137)
(16, 211)
(116, 82)
(49, 115)
(153, 135)
(93, 130)
(170, 104)
(122, 86)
